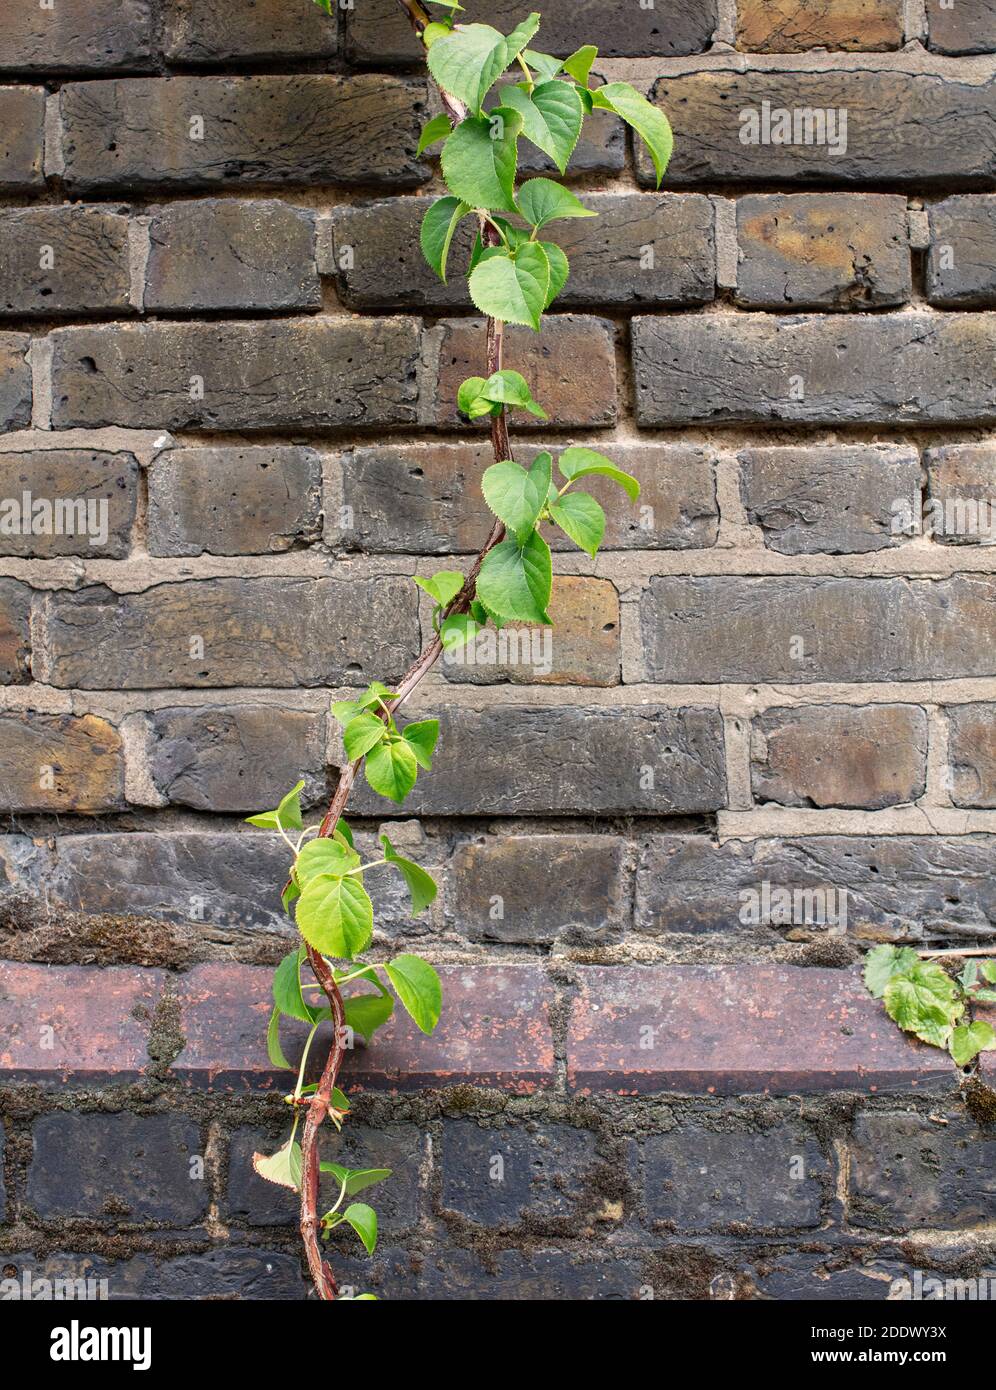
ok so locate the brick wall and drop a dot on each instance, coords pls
(215, 319)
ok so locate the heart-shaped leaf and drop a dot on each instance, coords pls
(542, 201)
(391, 769)
(513, 288)
(479, 161)
(581, 518)
(335, 915)
(515, 581)
(418, 988)
(552, 115)
(517, 495)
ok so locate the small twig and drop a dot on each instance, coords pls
(973, 951)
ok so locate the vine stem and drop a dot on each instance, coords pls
(321, 1272)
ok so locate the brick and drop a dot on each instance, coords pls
(570, 369)
(57, 762)
(76, 36)
(961, 261)
(499, 1177)
(119, 1168)
(793, 26)
(3, 1190)
(972, 754)
(427, 499)
(730, 1030)
(570, 760)
(699, 1180)
(22, 146)
(225, 254)
(864, 369)
(494, 1031)
(902, 127)
(798, 630)
(840, 755)
(201, 31)
(894, 887)
(15, 381)
(236, 757)
(793, 1276)
(305, 129)
(58, 1022)
(67, 260)
(250, 631)
(264, 375)
(822, 251)
(842, 499)
(533, 1275)
(15, 632)
(968, 27)
(82, 500)
(581, 649)
(377, 31)
(908, 1171)
(232, 501)
(227, 1273)
(534, 889)
(962, 494)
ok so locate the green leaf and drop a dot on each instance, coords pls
(355, 1179)
(968, 1041)
(515, 581)
(542, 63)
(513, 288)
(287, 994)
(579, 64)
(511, 388)
(986, 996)
(520, 36)
(542, 201)
(447, 4)
(289, 895)
(580, 517)
(457, 630)
(342, 833)
(517, 495)
(436, 129)
(560, 270)
(421, 885)
(469, 394)
(361, 734)
(479, 161)
(988, 968)
(363, 1220)
(443, 587)
(438, 225)
(969, 974)
(552, 115)
(283, 1167)
(335, 915)
(365, 1013)
(375, 694)
(391, 769)
(882, 963)
(324, 857)
(586, 463)
(421, 737)
(287, 815)
(274, 1050)
(418, 989)
(339, 1100)
(468, 62)
(650, 124)
(924, 1002)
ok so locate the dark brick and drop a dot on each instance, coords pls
(570, 760)
(863, 369)
(15, 381)
(264, 375)
(793, 1276)
(317, 129)
(231, 501)
(800, 629)
(839, 499)
(3, 1190)
(86, 491)
(536, 888)
(236, 757)
(793, 26)
(499, 1177)
(225, 1273)
(734, 1029)
(225, 254)
(203, 31)
(75, 35)
(972, 754)
(87, 249)
(57, 762)
(966, 27)
(961, 509)
(250, 631)
(22, 145)
(118, 1167)
(700, 1180)
(961, 263)
(908, 1171)
(560, 1276)
(902, 127)
(822, 251)
(840, 755)
(15, 632)
(426, 499)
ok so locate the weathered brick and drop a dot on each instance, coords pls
(908, 1170)
(864, 369)
(377, 31)
(961, 262)
(67, 1021)
(842, 499)
(532, 1276)
(15, 632)
(972, 754)
(118, 1168)
(499, 1177)
(63, 260)
(701, 1180)
(822, 251)
(582, 648)
(793, 26)
(734, 1029)
(15, 381)
(226, 1273)
(3, 1189)
(306, 129)
(202, 31)
(236, 757)
(221, 632)
(795, 1276)
(570, 369)
(570, 761)
(57, 762)
(263, 375)
(800, 629)
(231, 501)
(962, 494)
(966, 27)
(76, 35)
(427, 499)
(902, 127)
(22, 145)
(226, 254)
(536, 888)
(82, 500)
(840, 755)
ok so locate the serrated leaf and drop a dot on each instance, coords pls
(289, 896)
(586, 463)
(924, 1002)
(421, 886)
(335, 915)
(274, 1049)
(552, 115)
(967, 1041)
(438, 225)
(579, 64)
(650, 124)
(517, 495)
(355, 1179)
(479, 161)
(436, 129)
(468, 61)
(882, 963)
(542, 201)
(365, 1013)
(421, 738)
(469, 393)
(515, 581)
(287, 994)
(513, 288)
(282, 1168)
(988, 968)
(287, 816)
(443, 586)
(363, 1220)
(560, 269)
(418, 988)
(457, 630)
(520, 36)
(361, 734)
(391, 769)
(581, 518)
(325, 856)
(511, 388)
(543, 63)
